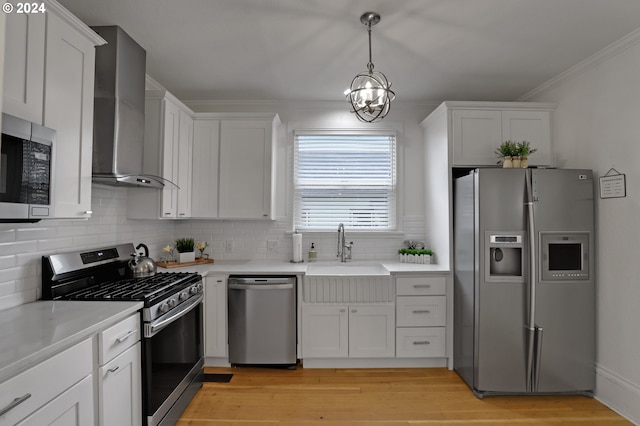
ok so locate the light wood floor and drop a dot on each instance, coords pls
(397, 397)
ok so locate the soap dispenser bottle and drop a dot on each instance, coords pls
(313, 254)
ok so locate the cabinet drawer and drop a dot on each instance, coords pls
(420, 286)
(420, 342)
(421, 311)
(43, 382)
(115, 339)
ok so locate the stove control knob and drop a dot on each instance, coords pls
(193, 289)
(183, 296)
(172, 303)
(199, 286)
(163, 308)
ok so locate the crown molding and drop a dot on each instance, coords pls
(608, 52)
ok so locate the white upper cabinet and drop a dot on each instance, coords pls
(168, 150)
(233, 165)
(246, 167)
(206, 156)
(478, 128)
(49, 79)
(24, 71)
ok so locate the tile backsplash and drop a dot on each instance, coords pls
(23, 245)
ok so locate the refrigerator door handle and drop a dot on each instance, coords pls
(538, 359)
(533, 363)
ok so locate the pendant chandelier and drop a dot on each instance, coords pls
(370, 93)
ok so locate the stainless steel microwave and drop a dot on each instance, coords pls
(26, 170)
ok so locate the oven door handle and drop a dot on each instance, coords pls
(156, 326)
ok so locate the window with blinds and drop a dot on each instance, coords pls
(348, 179)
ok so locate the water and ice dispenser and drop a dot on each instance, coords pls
(504, 254)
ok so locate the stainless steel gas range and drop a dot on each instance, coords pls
(172, 344)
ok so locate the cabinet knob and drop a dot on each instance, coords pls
(343, 310)
(354, 311)
(88, 212)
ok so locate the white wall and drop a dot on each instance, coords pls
(597, 125)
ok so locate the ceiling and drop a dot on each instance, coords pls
(431, 50)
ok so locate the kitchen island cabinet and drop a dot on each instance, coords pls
(49, 79)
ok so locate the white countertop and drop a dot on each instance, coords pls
(280, 267)
(33, 332)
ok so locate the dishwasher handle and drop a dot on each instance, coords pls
(233, 286)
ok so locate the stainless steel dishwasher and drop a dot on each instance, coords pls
(262, 320)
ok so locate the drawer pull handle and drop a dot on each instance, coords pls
(422, 342)
(422, 311)
(113, 370)
(354, 311)
(422, 286)
(14, 404)
(125, 337)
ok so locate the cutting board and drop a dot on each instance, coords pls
(164, 264)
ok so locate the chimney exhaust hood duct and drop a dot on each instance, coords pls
(118, 126)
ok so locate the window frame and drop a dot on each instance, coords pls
(394, 132)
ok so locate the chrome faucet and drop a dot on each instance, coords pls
(344, 249)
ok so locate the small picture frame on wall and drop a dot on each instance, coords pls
(613, 184)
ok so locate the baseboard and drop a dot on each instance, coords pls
(373, 362)
(618, 393)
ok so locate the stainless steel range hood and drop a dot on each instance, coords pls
(118, 128)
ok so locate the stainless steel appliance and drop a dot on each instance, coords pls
(524, 299)
(172, 344)
(262, 320)
(118, 128)
(26, 170)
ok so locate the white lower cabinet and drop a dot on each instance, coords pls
(52, 392)
(215, 317)
(421, 305)
(354, 331)
(74, 407)
(121, 389)
(119, 374)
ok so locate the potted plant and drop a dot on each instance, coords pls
(185, 250)
(506, 151)
(415, 255)
(524, 150)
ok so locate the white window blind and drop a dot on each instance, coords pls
(348, 179)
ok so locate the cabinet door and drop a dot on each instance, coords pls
(185, 157)
(206, 146)
(170, 159)
(371, 331)
(68, 108)
(532, 126)
(245, 169)
(325, 331)
(476, 135)
(24, 66)
(121, 389)
(74, 407)
(215, 317)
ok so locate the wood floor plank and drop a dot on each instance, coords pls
(377, 397)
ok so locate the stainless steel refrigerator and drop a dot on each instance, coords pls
(524, 296)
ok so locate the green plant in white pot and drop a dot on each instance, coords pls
(185, 250)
